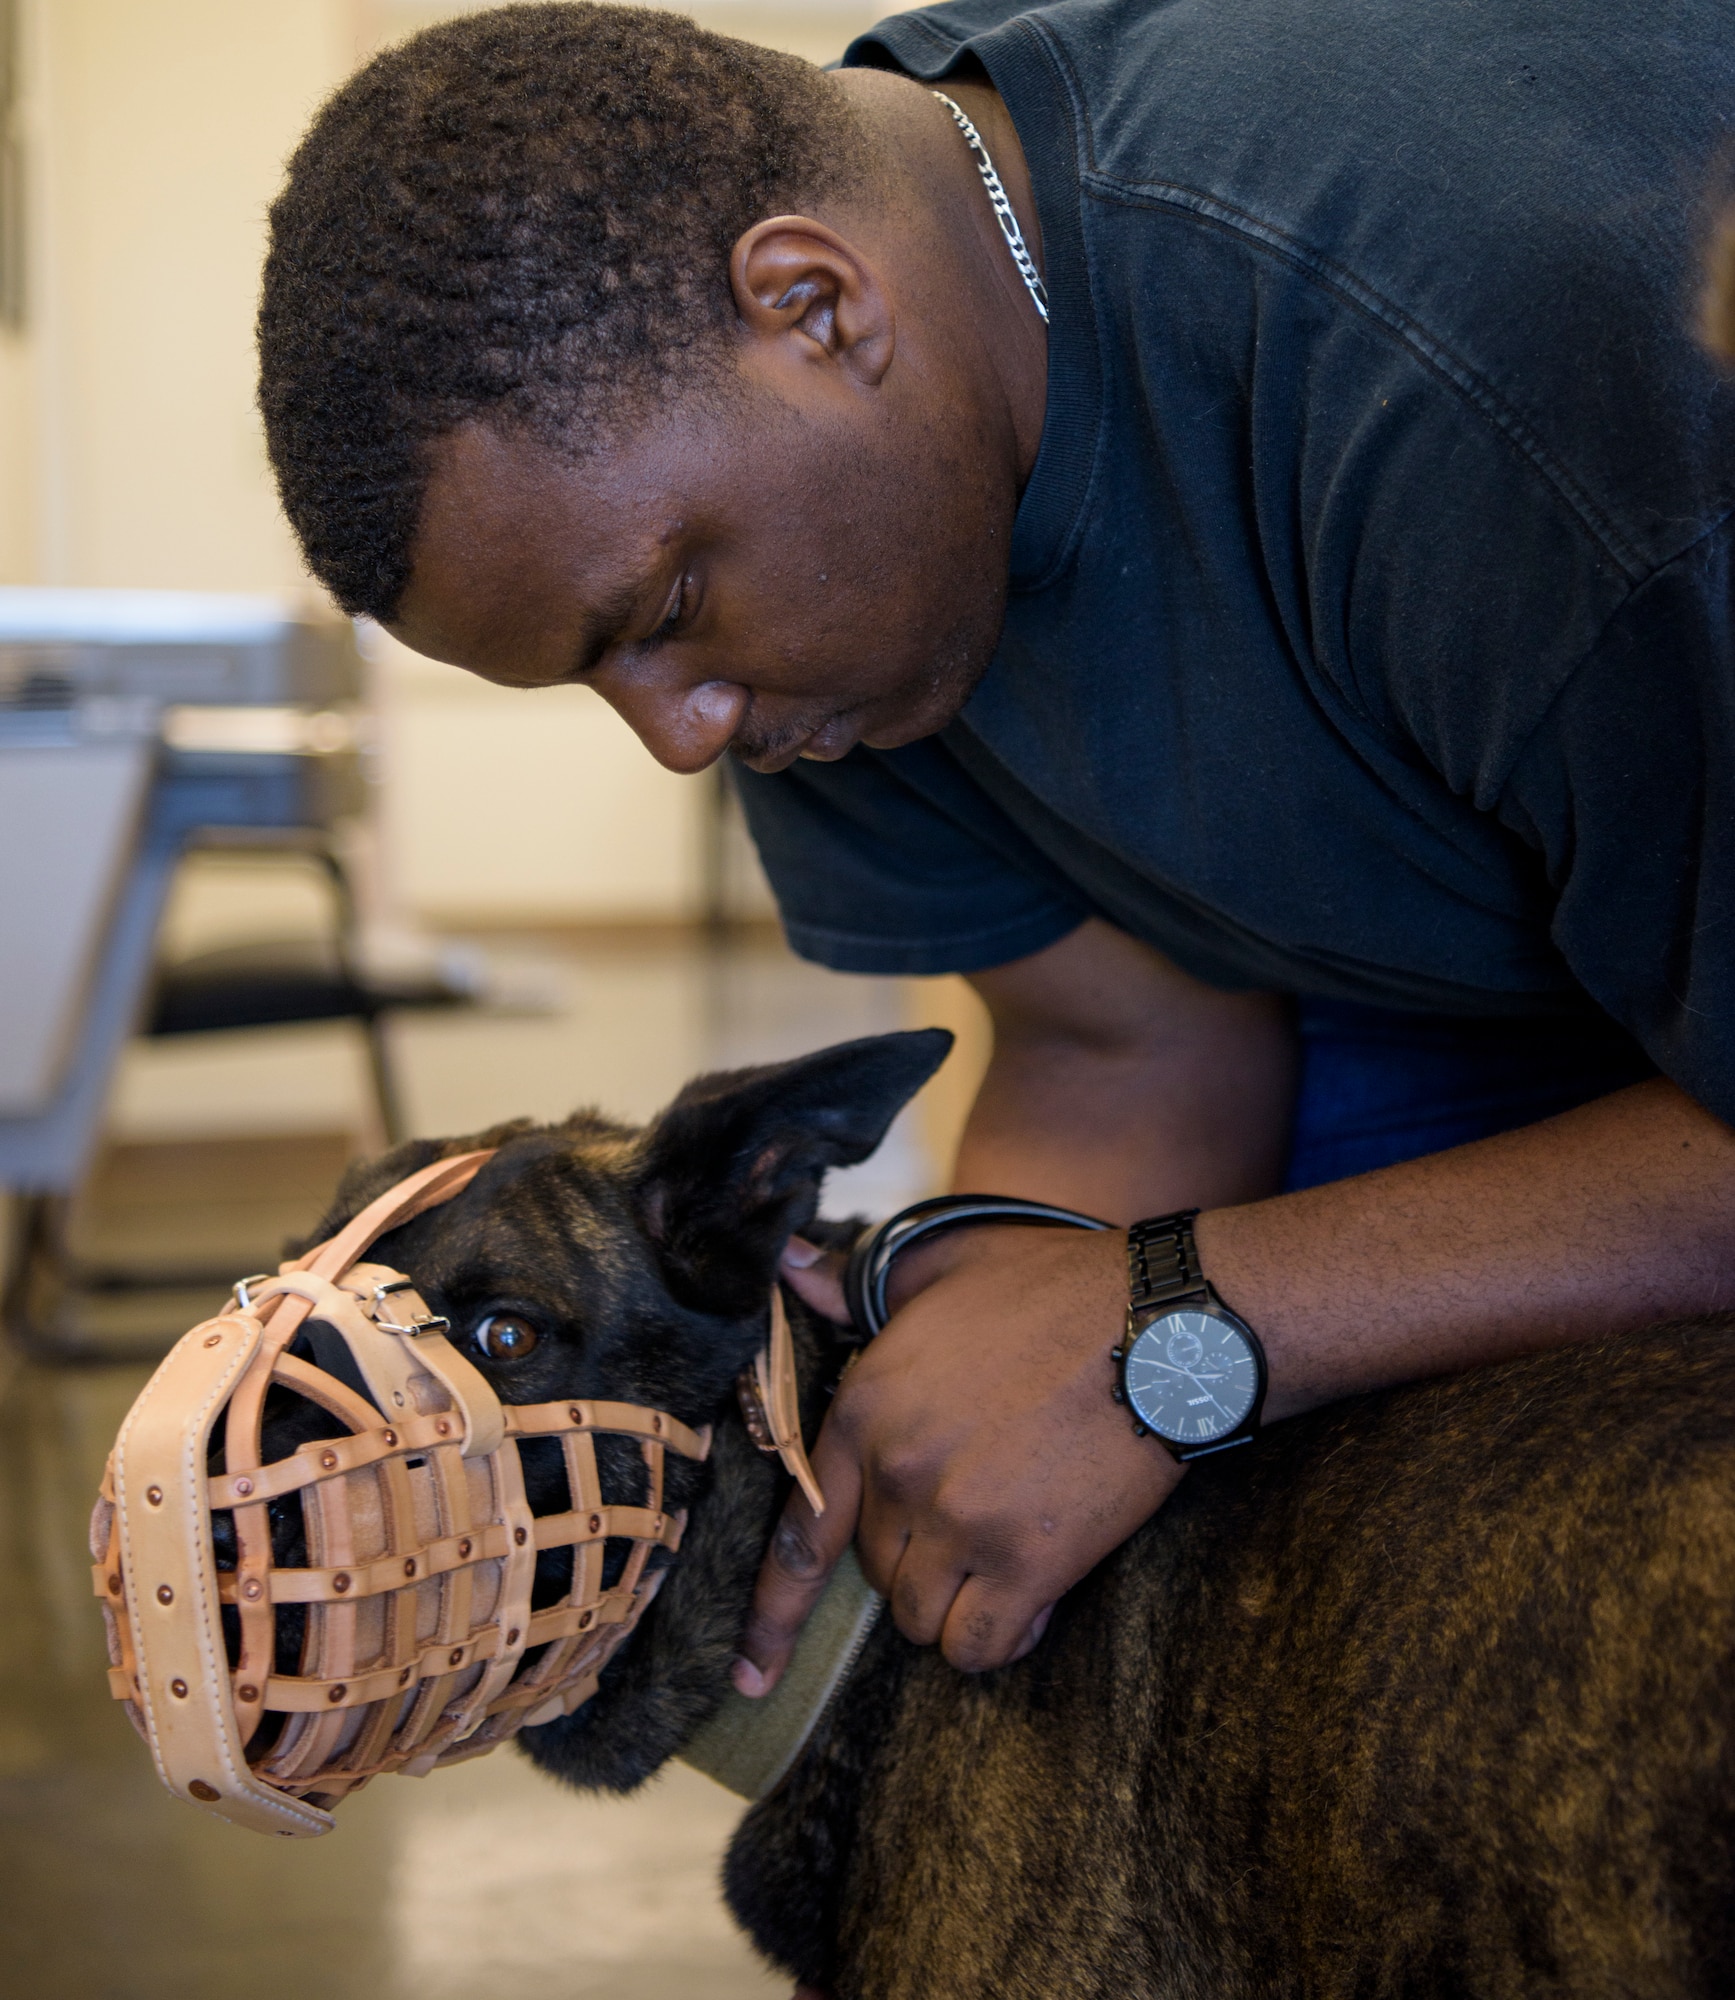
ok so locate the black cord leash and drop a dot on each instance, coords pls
(870, 1262)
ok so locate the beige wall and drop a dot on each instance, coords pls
(819, 30)
(17, 452)
(522, 806)
(129, 448)
(130, 452)
(157, 130)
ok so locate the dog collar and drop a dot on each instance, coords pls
(749, 1747)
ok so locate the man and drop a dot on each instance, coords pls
(1215, 528)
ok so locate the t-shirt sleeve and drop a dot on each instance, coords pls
(897, 862)
(1627, 789)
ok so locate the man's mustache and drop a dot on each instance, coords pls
(754, 742)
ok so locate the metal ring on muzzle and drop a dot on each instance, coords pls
(421, 1546)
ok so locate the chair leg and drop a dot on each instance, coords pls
(383, 1069)
(44, 1283)
(381, 1065)
(32, 1307)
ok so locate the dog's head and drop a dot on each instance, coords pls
(592, 1260)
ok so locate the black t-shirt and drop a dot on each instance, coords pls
(1370, 627)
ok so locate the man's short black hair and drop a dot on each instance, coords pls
(526, 215)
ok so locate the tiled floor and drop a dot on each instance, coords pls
(479, 1882)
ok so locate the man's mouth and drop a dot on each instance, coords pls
(832, 740)
(825, 742)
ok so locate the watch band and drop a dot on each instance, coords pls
(1163, 1263)
(1163, 1272)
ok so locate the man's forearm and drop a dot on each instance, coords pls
(1598, 1221)
(975, 1451)
(1603, 1219)
(1121, 1086)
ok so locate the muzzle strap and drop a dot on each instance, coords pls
(160, 1587)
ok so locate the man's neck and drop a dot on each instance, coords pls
(953, 257)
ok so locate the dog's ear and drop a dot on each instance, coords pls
(734, 1165)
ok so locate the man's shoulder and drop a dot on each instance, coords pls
(1507, 115)
(1514, 192)
(1336, 72)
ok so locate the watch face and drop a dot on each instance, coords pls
(1191, 1375)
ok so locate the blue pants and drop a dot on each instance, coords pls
(1378, 1087)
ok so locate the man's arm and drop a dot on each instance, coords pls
(1124, 1087)
(975, 1443)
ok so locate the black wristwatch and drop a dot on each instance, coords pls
(1191, 1371)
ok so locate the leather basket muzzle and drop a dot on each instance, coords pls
(419, 1644)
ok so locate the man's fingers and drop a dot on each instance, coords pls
(988, 1626)
(803, 1553)
(1033, 1638)
(815, 1276)
(922, 1584)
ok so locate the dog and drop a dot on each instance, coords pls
(1424, 1694)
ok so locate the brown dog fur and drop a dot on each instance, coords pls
(1425, 1695)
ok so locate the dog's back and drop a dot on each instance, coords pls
(1427, 1694)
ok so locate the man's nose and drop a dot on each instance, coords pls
(685, 729)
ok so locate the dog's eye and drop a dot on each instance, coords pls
(505, 1337)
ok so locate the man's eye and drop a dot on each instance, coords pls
(505, 1337)
(677, 616)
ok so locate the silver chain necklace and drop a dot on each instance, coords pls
(1002, 208)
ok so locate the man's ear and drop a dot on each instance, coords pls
(792, 276)
(734, 1166)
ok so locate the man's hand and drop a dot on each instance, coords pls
(974, 1451)
(976, 1440)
